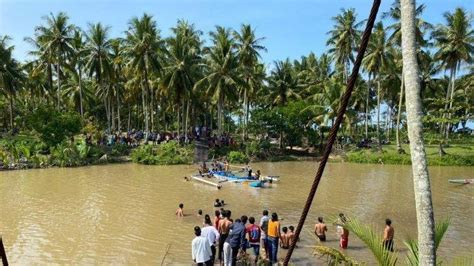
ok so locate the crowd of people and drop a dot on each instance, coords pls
(224, 239)
(134, 138)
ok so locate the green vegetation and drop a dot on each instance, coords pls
(166, 153)
(459, 155)
(86, 81)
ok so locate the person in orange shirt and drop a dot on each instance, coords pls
(273, 236)
(388, 234)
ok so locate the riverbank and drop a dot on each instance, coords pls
(26, 152)
(456, 155)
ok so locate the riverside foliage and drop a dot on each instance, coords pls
(85, 80)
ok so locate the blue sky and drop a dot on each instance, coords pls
(290, 28)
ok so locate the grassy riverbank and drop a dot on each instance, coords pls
(26, 151)
(456, 155)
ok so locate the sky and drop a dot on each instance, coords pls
(290, 28)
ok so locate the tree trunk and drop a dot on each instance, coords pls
(186, 131)
(220, 115)
(448, 127)
(11, 111)
(145, 104)
(388, 118)
(378, 112)
(399, 114)
(152, 110)
(119, 127)
(58, 69)
(80, 92)
(367, 110)
(129, 118)
(446, 104)
(245, 122)
(421, 179)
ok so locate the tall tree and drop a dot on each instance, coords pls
(222, 77)
(182, 67)
(396, 38)
(455, 42)
(344, 38)
(143, 47)
(56, 37)
(10, 73)
(421, 179)
(378, 60)
(248, 51)
(98, 63)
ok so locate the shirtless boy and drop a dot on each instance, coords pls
(320, 229)
(179, 211)
(223, 228)
(284, 240)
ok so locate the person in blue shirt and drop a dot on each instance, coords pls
(236, 239)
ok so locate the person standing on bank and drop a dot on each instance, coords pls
(212, 235)
(273, 236)
(200, 249)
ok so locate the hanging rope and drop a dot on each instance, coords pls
(335, 127)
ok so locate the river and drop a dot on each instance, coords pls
(124, 213)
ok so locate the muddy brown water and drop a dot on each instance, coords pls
(124, 213)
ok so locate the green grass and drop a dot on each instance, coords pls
(457, 155)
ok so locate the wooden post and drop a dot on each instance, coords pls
(3, 255)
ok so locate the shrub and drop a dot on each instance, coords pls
(54, 127)
(237, 157)
(163, 154)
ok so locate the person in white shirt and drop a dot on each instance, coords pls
(212, 235)
(201, 249)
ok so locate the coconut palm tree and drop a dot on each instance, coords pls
(143, 47)
(56, 37)
(77, 64)
(282, 83)
(222, 77)
(378, 60)
(10, 73)
(182, 67)
(98, 63)
(248, 52)
(396, 38)
(421, 180)
(117, 75)
(344, 39)
(455, 42)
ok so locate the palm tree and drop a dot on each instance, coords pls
(222, 77)
(455, 42)
(182, 67)
(10, 73)
(344, 39)
(76, 64)
(56, 37)
(396, 38)
(421, 180)
(378, 59)
(143, 48)
(98, 62)
(282, 83)
(117, 75)
(248, 51)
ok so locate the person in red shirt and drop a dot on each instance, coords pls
(253, 233)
